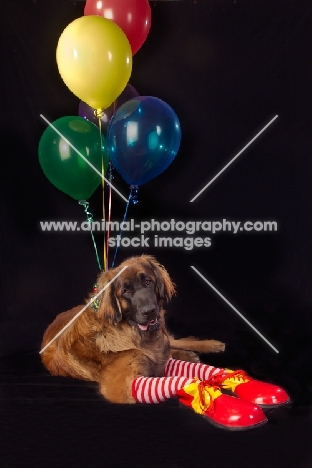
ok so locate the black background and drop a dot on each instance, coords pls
(226, 68)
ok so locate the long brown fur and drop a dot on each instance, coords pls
(102, 346)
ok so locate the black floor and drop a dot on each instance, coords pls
(49, 421)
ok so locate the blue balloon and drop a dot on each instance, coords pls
(143, 138)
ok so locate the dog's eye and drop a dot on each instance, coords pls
(126, 291)
(148, 281)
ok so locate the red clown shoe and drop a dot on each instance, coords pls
(221, 410)
(241, 385)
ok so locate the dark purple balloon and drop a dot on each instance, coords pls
(87, 112)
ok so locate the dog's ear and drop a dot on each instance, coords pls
(109, 308)
(165, 284)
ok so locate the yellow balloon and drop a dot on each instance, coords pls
(94, 58)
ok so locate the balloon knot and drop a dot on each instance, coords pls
(134, 192)
(98, 113)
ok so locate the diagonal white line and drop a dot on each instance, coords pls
(233, 159)
(83, 157)
(234, 308)
(82, 310)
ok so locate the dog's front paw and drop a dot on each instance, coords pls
(217, 346)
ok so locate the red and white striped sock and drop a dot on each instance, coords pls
(157, 389)
(174, 367)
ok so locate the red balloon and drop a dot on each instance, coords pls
(132, 16)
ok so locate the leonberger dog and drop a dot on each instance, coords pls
(124, 336)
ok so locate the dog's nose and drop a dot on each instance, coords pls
(148, 311)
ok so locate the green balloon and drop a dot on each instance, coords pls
(63, 165)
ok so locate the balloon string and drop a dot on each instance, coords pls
(110, 168)
(85, 204)
(99, 114)
(110, 176)
(120, 233)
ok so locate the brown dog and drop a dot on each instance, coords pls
(125, 337)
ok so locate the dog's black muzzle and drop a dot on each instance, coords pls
(147, 311)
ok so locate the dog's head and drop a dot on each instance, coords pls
(137, 294)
